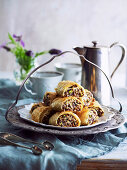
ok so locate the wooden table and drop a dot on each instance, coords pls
(103, 164)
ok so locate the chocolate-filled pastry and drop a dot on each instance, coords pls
(87, 98)
(94, 104)
(69, 88)
(48, 98)
(42, 114)
(65, 119)
(35, 105)
(88, 116)
(67, 103)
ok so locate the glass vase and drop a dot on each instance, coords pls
(19, 73)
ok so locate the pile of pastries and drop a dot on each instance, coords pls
(70, 106)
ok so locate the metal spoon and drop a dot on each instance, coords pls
(14, 138)
(35, 149)
(48, 145)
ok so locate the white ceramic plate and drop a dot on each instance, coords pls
(24, 114)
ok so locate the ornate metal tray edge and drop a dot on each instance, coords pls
(116, 121)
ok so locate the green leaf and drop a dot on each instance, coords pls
(41, 53)
(12, 39)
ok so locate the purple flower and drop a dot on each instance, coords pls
(54, 51)
(5, 47)
(19, 39)
(29, 53)
(22, 43)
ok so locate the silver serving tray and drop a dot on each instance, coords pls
(116, 121)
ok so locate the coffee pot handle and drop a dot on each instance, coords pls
(122, 57)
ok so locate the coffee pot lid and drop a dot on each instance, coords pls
(95, 45)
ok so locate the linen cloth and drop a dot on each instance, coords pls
(69, 150)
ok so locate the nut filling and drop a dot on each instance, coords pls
(67, 120)
(99, 111)
(92, 117)
(87, 98)
(72, 105)
(74, 91)
(46, 99)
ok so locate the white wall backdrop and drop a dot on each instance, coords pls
(47, 24)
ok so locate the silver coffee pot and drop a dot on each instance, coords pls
(92, 78)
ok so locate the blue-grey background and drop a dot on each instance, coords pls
(64, 24)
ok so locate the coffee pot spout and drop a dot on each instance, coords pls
(80, 50)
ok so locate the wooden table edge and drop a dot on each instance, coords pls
(103, 164)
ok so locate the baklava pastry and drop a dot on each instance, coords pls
(48, 98)
(41, 114)
(88, 116)
(65, 119)
(94, 104)
(67, 103)
(69, 88)
(87, 98)
(35, 105)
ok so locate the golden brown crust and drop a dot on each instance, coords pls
(64, 86)
(67, 103)
(40, 114)
(72, 119)
(88, 116)
(49, 97)
(35, 105)
(95, 104)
